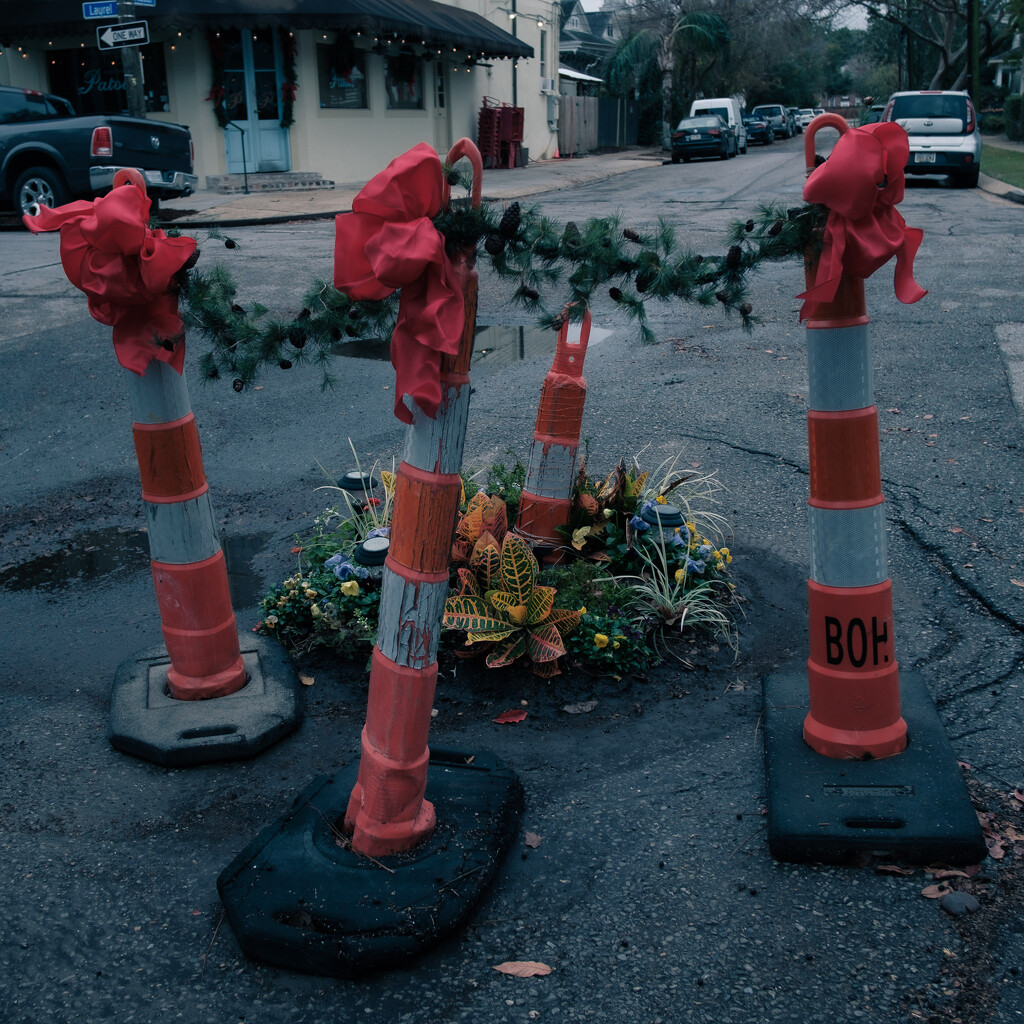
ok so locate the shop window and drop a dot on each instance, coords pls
(403, 79)
(341, 71)
(94, 82)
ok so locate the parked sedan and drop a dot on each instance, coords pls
(759, 130)
(707, 135)
(805, 115)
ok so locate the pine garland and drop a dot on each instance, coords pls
(290, 83)
(216, 93)
(534, 254)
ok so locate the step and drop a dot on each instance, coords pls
(268, 181)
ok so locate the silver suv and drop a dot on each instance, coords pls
(780, 119)
(943, 131)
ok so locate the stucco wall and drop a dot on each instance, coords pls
(343, 145)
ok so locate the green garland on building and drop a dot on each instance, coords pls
(289, 48)
(547, 266)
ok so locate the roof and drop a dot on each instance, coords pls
(576, 76)
(425, 21)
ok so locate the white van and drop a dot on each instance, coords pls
(728, 109)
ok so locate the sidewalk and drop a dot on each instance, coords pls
(993, 185)
(210, 209)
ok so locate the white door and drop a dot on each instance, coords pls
(252, 87)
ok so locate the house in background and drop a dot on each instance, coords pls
(589, 38)
(336, 87)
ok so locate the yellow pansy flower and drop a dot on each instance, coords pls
(679, 575)
(350, 588)
(660, 499)
(600, 640)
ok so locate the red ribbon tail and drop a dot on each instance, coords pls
(907, 289)
(830, 269)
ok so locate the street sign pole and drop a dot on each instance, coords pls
(131, 65)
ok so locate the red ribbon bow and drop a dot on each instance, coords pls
(861, 183)
(389, 241)
(126, 270)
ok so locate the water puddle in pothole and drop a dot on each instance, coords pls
(493, 347)
(103, 556)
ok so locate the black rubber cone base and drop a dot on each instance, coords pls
(298, 897)
(147, 722)
(912, 807)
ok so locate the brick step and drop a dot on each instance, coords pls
(275, 181)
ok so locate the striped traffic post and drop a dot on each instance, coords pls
(853, 674)
(387, 812)
(189, 571)
(856, 758)
(188, 701)
(547, 492)
(305, 868)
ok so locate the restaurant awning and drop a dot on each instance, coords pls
(423, 21)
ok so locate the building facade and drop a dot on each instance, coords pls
(336, 87)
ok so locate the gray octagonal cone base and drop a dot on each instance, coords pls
(147, 722)
(299, 897)
(913, 806)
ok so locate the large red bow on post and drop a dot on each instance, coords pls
(127, 271)
(389, 241)
(861, 182)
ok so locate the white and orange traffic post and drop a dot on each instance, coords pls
(176, 713)
(388, 804)
(854, 764)
(547, 493)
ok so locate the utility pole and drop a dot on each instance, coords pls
(131, 65)
(515, 33)
(973, 82)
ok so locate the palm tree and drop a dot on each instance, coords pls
(699, 31)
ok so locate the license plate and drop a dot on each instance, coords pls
(924, 158)
(694, 138)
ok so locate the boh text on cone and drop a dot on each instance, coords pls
(852, 669)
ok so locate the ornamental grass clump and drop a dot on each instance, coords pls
(500, 605)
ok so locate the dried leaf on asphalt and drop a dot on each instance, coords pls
(584, 707)
(511, 717)
(941, 873)
(523, 968)
(1018, 794)
(934, 892)
(966, 766)
(996, 850)
(893, 869)
(532, 840)
(1017, 583)
(306, 680)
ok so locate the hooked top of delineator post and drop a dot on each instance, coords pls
(569, 355)
(821, 121)
(129, 175)
(464, 148)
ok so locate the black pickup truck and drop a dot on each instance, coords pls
(48, 155)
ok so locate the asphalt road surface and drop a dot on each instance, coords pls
(652, 895)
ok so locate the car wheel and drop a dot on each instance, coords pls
(686, 159)
(675, 158)
(724, 155)
(39, 186)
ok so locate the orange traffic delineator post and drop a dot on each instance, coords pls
(841, 778)
(388, 802)
(547, 493)
(171, 705)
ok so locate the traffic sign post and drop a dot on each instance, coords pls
(129, 33)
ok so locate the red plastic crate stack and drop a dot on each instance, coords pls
(500, 133)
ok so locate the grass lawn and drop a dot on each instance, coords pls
(1005, 164)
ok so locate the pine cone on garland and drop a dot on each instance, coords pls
(733, 257)
(631, 235)
(238, 384)
(645, 279)
(775, 229)
(509, 224)
(494, 244)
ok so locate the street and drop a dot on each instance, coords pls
(652, 894)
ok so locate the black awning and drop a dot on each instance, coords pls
(423, 21)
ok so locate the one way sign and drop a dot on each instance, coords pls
(131, 33)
